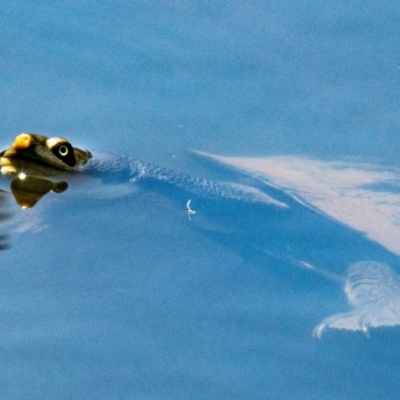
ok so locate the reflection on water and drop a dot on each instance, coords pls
(364, 197)
(3, 216)
(343, 191)
(28, 190)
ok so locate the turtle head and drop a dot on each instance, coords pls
(37, 153)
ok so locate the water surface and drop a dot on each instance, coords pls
(116, 294)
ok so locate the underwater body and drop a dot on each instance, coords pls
(286, 245)
(235, 234)
(108, 176)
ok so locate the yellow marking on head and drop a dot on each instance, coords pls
(22, 141)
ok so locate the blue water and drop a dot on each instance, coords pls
(116, 294)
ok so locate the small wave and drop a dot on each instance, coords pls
(199, 186)
(127, 170)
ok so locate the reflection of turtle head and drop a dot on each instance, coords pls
(39, 155)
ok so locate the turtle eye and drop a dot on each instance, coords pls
(63, 150)
(65, 153)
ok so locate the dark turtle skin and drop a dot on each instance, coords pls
(38, 155)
